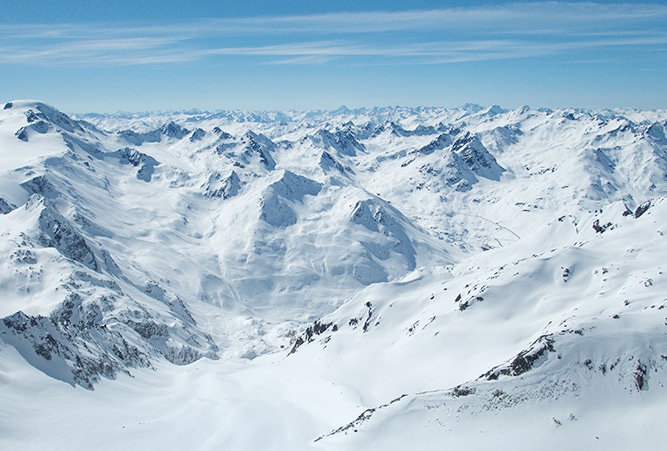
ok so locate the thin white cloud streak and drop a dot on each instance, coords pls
(309, 60)
(141, 52)
(556, 16)
(559, 15)
(103, 51)
(430, 53)
(535, 29)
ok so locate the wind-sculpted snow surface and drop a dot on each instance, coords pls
(383, 279)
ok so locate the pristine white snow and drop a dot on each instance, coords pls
(471, 278)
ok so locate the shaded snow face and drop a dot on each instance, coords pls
(405, 268)
(290, 188)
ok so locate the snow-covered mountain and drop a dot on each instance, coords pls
(351, 279)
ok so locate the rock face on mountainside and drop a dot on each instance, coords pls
(218, 186)
(95, 328)
(446, 264)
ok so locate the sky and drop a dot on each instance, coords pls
(132, 55)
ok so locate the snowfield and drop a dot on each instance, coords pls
(388, 278)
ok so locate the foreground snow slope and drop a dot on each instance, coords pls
(369, 278)
(579, 327)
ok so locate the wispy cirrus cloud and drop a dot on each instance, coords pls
(442, 36)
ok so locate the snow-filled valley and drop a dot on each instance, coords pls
(387, 278)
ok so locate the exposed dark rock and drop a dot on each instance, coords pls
(640, 377)
(173, 130)
(6, 207)
(222, 188)
(24, 257)
(59, 233)
(40, 185)
(462, 390)
(441, 142)
(197, 135)
(22, 134)
(221, 134)
(524, 361)
(149, 329)
(133, 157)
(48, 117)
(75, 312)
(602, 228)
(317, 328)
(422, 130)
(88, 336)
(170, 130)
(40, 127)
(79, 349)
(566, 274)
(643, 208)
(364, 416)
(469, 302)
(261, 146)
(328, 162)
(342, 141)
(138, 139)
(476, 157)
(367, 323)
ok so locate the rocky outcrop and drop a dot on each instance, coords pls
(6, 207)
(145, 163)
(219, 187)
(342, 141)
(258, 146)
(169, 130)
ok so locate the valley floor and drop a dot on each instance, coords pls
(277, 403)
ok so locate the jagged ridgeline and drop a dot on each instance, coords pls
(132, 239)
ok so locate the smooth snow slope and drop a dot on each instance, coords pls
(381, 279)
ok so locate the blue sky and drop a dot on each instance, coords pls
(162, 55)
